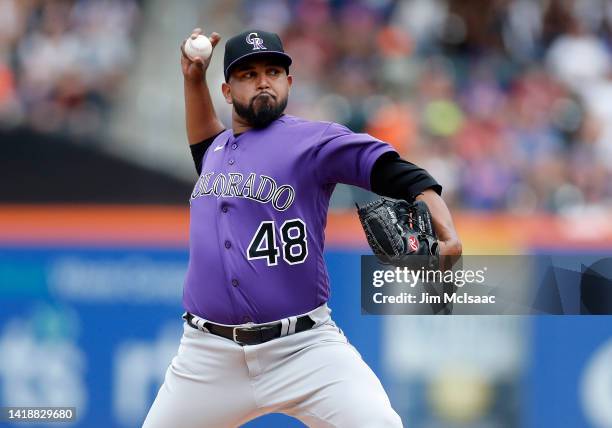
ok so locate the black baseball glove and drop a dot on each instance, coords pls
(397, 229)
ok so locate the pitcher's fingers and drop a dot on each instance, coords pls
(214, 39)
(196, 32)
(183, 50)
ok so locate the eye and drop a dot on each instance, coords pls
(247, 74)
(274, 71)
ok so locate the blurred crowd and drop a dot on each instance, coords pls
(62, 61)
(508, 103)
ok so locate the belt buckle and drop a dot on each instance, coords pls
(235, 335)
(249, 327)
(236, 329)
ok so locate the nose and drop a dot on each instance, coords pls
(262, 82)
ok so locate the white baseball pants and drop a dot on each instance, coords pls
(315, 376)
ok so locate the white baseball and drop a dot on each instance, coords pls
(200, 46)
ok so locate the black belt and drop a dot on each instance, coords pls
(251, 335)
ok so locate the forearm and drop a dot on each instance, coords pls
(450, 244)
(200, 116)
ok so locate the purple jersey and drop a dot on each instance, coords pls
(258, 215)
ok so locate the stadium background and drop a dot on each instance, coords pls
(508, 103)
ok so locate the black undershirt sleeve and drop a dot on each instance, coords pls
(198, 150)
(396, 178)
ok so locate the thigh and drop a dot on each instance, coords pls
(206, 385)
(325, 383)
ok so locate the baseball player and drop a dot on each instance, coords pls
(258, 337)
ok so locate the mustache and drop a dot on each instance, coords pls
(263, 93)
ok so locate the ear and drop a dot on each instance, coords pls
(227, 92)
(290, 80)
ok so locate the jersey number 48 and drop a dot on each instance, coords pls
(292, 237)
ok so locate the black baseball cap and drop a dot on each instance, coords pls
(250, 43)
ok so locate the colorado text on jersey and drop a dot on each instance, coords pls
(236, 186)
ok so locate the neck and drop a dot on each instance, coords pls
(239, 125)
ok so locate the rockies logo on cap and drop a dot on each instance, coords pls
(256, 41)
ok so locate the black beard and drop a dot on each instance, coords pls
(267, 113)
